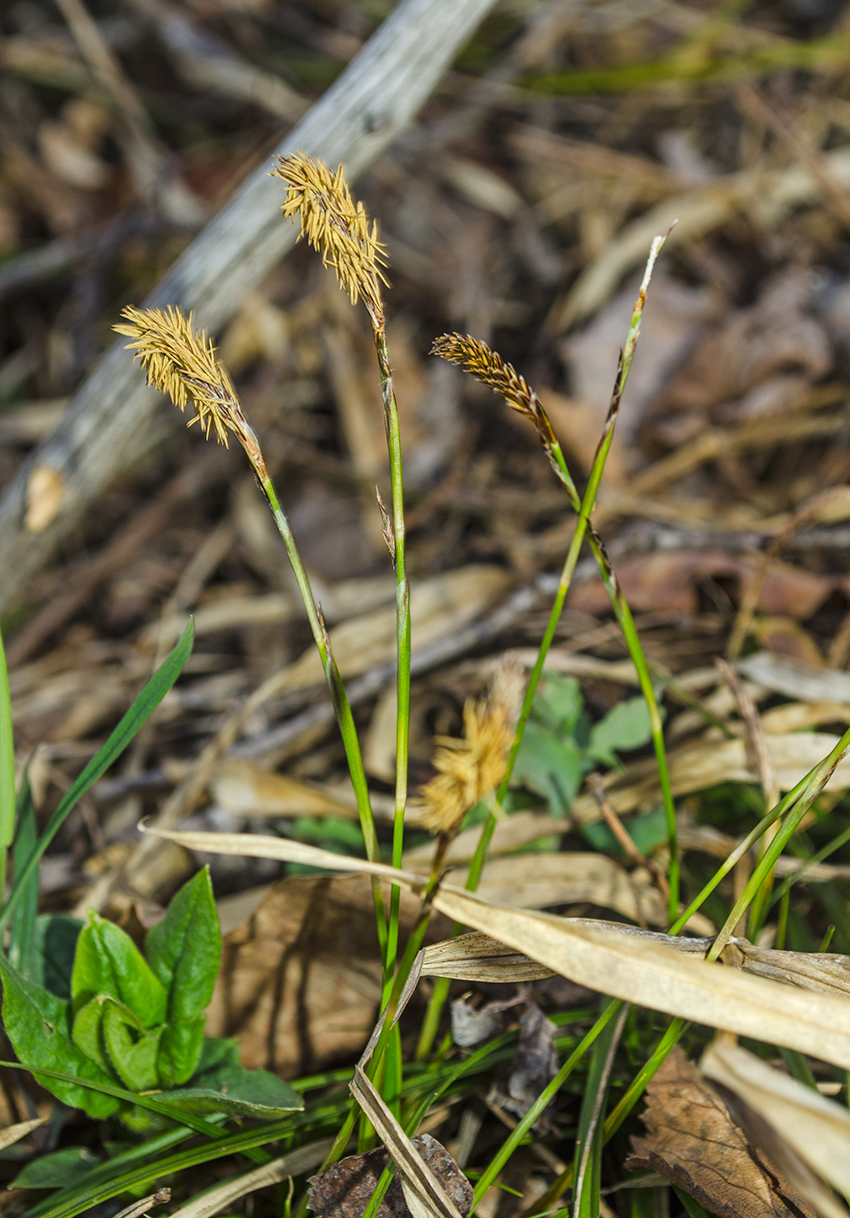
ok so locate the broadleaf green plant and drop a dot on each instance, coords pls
(560, 745)
(137, 1019)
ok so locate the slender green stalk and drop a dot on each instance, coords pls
(582, 525)
(7, 769)
(617, 1115)
(800, 874)
(541, 1103)
(342, 707)
(740, 850)
(397, 542)
(583, 508)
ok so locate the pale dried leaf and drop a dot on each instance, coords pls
(13, 1133)
(478, 957)
(795, 680)
(630, 966)
(692, 1140)
(636, 969)
(539, 880)
(790, 1120)
(249, 790)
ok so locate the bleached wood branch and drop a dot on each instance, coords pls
(112, 420)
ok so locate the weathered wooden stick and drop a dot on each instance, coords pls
(111, 421)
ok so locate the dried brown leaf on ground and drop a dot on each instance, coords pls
(300, 980)
(540, 881)
(345, 1189)
(670, 580)
(806, 1135)
(692, 1140)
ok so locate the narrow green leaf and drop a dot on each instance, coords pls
(7, 758)
(135, 718)
(107, 962)
(36, 1023)
(184, 952)
(22, 930)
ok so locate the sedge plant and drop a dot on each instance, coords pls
(472, 770)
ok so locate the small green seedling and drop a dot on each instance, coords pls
(134, 1020)
(560, 745)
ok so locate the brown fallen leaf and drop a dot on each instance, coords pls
(670, 580)
(300, 979)
(345, 1189)
(692, 1140)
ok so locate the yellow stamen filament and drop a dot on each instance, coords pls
(335, 226)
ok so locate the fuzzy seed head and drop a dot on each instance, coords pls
(335, 226)
(470, 769)
(181, 362)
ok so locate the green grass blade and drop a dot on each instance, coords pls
(7, 767)
(135, 718)
(22, 930)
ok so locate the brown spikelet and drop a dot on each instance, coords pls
(470, 769)
(335, 226)
(487, 366)
(181, 362)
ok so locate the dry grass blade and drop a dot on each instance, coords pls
(223, 1195)
(259, 846)
(478, 957)
(802, 1131)
(13, 1133)
(636, 969)
(425, 1196)
(633, 966)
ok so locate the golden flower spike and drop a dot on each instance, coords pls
(181, 362)
(470, 769)
(335, 226)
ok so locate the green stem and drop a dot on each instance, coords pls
(616, 1117)
(342, 707)
(7, 770)
(583, 508)
(391, 421)
(541, 1103)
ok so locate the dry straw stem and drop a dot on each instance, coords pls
(470, 769)
(629, 966)
(800, 1130)
(423, 1192)
(181, 361)
(335, 225)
